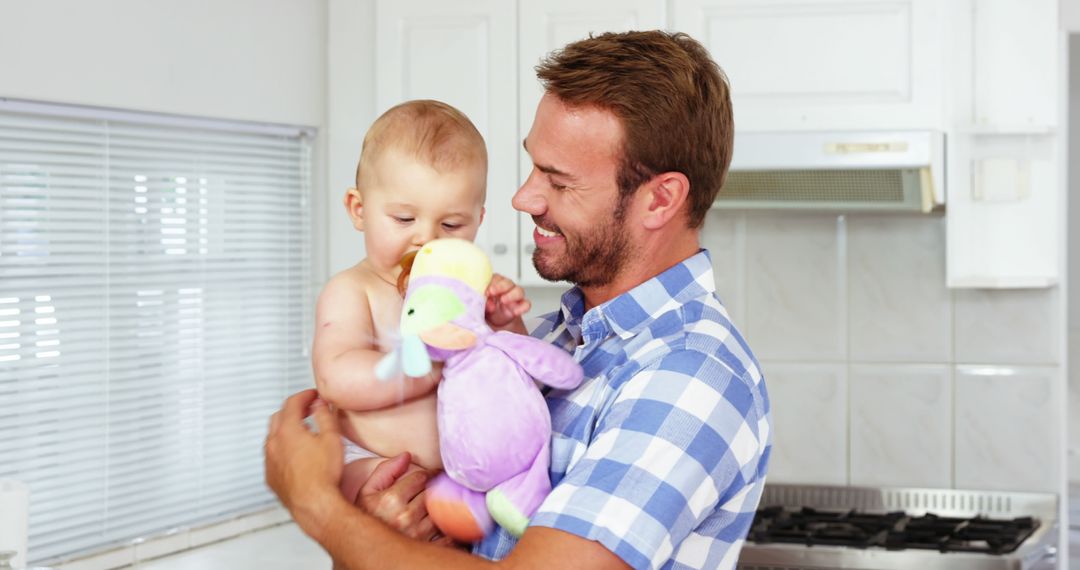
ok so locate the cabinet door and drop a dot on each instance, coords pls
(1006, 185)
(550, 25)
(824, 64)
(462, 53)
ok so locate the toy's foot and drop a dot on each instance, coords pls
(514, 501)
(459, 512)
(505, 513)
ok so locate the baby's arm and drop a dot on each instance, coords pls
(345, 352)
(506, 303)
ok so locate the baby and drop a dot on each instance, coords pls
(422, 175)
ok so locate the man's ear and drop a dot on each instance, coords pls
(354, 206)
(665, 195)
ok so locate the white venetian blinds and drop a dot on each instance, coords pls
(155, 279)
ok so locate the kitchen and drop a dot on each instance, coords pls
(901, 349)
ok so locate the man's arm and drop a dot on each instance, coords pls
(303, 468)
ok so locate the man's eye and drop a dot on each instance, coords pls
(557, 186)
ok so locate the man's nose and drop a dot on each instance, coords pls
(528, 199)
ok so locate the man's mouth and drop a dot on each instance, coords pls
(546, 232)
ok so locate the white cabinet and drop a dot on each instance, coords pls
(462, 53)
(987, 72)
(1005, 180)
(824, 64)
(549, 25)
(984, 71)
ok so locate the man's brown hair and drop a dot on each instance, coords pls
(672, 99)
(428, 130)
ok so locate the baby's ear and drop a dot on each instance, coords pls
(354, 206)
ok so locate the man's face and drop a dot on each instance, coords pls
(581, 235)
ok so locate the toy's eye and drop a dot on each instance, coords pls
(411, 311)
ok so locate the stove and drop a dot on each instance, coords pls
(800, 527)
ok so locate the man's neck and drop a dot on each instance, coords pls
(651, 260)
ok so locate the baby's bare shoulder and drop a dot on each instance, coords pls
(348, 287)
(359, 277)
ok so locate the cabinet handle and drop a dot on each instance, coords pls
(530, 248)
(501, 249)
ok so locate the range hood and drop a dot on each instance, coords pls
(846, 171)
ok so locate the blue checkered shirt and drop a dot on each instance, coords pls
(660, 454)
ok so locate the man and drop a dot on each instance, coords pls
(659, 457)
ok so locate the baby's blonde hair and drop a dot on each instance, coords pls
(428, 130)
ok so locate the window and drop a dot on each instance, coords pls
(155, 308)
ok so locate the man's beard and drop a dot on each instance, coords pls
(590, 260)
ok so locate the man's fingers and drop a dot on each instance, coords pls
(400, 504)
(275, 421)
(325, 420)
(411, 485)
(297, 406)
(385, 473)
(424, 529)
(443, 541)
(392, 505)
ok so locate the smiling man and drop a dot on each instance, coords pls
(659, 457)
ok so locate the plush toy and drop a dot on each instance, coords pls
(494, 427)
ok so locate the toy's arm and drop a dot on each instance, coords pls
(547, 363)
(344, 353)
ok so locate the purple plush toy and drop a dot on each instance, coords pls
(494, 427)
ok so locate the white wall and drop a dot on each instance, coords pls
(879, 375)
(260, 60)
(351, 109)
(1073, 257)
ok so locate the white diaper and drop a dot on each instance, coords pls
(354, 452)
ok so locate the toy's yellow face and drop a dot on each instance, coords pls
(454, 258)
(430, 310)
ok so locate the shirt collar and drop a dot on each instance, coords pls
(632, 311)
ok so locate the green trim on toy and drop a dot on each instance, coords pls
(505, 513)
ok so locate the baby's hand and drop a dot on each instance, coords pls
(506, 303)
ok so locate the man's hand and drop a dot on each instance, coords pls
(394, 494)
(506, 303)
(303, 467)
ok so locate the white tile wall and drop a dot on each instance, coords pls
(810, 409)
(900, 310)
(795, 287)
(860, 342)
(1007, 428)
(724, 236)
(1020, 326)
(901, 425)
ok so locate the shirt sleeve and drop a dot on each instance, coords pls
(675, 442)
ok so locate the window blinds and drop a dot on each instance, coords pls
(155, 309)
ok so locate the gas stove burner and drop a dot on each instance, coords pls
(892, 530)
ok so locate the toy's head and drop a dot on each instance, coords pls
(444, 302)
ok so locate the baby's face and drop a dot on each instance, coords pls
(407, 203)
